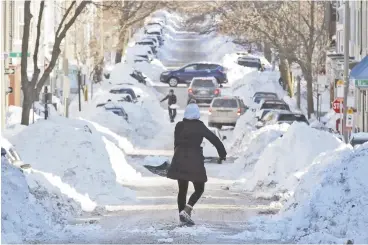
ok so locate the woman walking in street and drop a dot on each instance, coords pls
(187, 164)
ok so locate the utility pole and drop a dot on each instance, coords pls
(298, 78)
(346, 65)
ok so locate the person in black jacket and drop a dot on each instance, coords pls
(171, 97)
(188, 161)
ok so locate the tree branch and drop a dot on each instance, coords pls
(56, 48)
(25, 38)
(64, 17)
(36, 70)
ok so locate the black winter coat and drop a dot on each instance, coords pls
(188, 161)
(171, 98)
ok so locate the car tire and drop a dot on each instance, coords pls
(173, 82)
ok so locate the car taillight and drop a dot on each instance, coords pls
(190, 91)
(209, 111)
(239, 111)
(217, 91)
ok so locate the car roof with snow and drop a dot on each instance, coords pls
(273, 101)
(153, 28)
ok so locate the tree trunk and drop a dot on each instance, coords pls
(28, 97)
(285, 75)
(268, 52)
(123, 41)
(307, 73)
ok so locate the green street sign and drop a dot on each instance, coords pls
(17, 54)
(361, 83)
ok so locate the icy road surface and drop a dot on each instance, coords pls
(219, 213)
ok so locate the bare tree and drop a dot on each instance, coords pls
(32, 88)
(276, 23)
(130, 13)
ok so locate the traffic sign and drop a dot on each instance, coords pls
(17, 54)
(336, 105)
(340, 89)
(9, 71)
(350, 111)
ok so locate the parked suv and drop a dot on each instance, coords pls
(203, 89)
(225, 111)
(188, 72)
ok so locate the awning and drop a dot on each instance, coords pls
(360, 71)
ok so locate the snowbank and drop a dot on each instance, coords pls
(72, 157)
(283, 162)
(24, 218)
(329, 204)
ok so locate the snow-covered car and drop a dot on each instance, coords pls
(282, 116)
(274, 104)
(117, 110)
(125, 91)
(208, 149)
(153, 30)
(357, 139)
(9, 152)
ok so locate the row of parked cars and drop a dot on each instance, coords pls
(272, 110)
(147, 47)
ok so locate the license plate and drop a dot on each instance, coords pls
(203, 92)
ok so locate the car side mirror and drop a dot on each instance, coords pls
(224, 137)
(138, 96)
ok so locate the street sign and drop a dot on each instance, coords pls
(349, 118)
(340, 89)
(361, 83)
(336, 105)
(17, 54)
(9, 71)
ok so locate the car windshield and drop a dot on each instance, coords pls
(265, 94)
(264, 113)
(203, 83)
(249, 64)
(124, 91)
(227, 103)
(292, 118)
(275, 106)
(258, 98)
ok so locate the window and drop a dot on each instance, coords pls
(190, 68)
(20, 22)
(227, 103)
(203, 83)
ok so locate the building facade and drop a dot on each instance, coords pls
(358, 50)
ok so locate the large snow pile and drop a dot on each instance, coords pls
(329, 205)
(250, 83)
(72, 157)
(253, 145)
(24, 218)
(280, 166)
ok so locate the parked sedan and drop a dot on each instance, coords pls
(274, 104)
(188, 72)
(203, 89)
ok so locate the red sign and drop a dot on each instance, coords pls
(336, 106)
